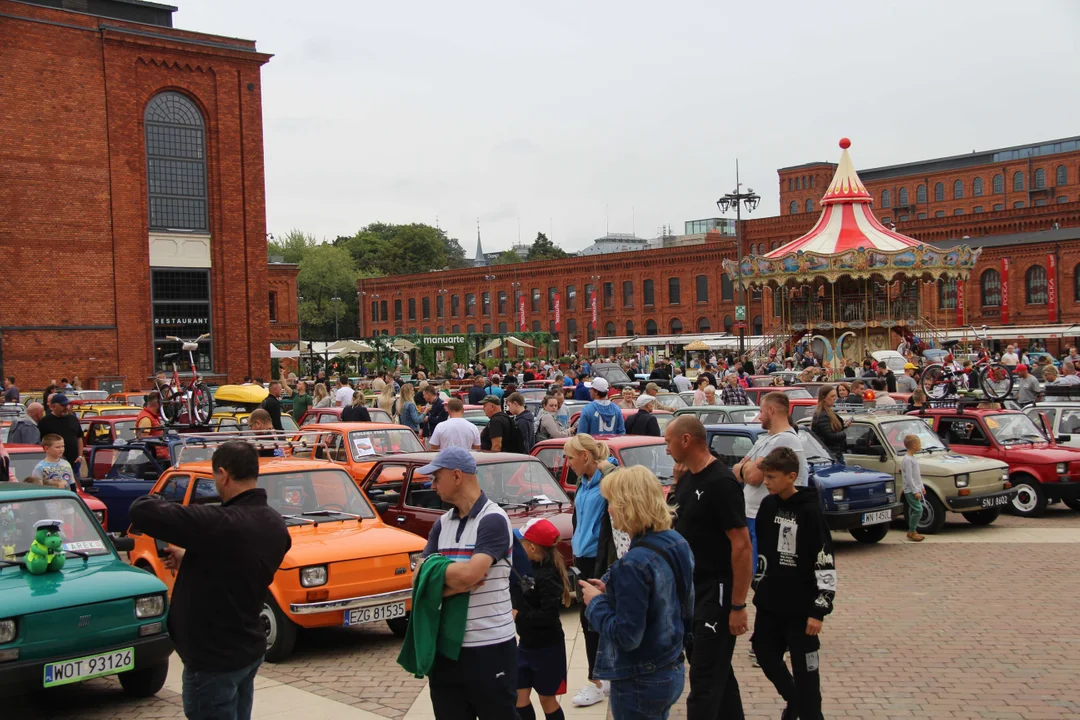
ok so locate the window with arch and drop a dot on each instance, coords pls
(674, 293)
(977, 187)
(790, 184)
(990, 288)
(729, 323)
(777, 302)
(947, 294)
(920, 194)
(799, 184)
(999, 184)
(502, 327)
(958, 190)
(609, 329)
(176, 163)
(757, 329)
(902, 197)
(486, 328)
(648, 293)
(701, 288)
(1061, 176)
(1035, 290)
(629, 327)
(468, 328)
(571, 328)
(703, 325)
(811, 181)
(1040, 179)
(939, 192)
(1018, 180)
(551, 298)
(676, 326)
(726, 287)
(628, 293)
(1076, 283)
(650, 327)
(886, 198)
(809, 205)
(793, 208)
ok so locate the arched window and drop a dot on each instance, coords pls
(811, 181)
(650, 327)
(726, 287)
(1076, 283)
(609, 329)
(1061, 177)
(799, 184)
(977, 187)
(920, 194)
(676, 326)
(468, 328)
(503, 327)
(958, 190)
(629, 327)
(777, 302)
(757, 325)
(729, 323)
(903, 197)
(886, 199)
(947, 294)
(1018, 180)
(990, 288)
(701, 283)
(1040, 179)
(647, 293)
(793, 208)
(703, 325)
(999, 184)
(809, 205)
(1035, 285)
(673, 293)
(939, 192)
(176, 163)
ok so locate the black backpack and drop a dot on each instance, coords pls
(513, 441)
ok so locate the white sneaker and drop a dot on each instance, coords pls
(588, 695)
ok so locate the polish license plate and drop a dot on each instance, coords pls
(360, 616)
(876, 518)
(91, 666)
(996, 501)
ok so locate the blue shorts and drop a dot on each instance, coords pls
(542, 669)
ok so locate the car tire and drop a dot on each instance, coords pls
(933, 517)
(398, 626)
(144, 682)
(280, 631)
(871, 534)
(1030, 499)
(982, 517)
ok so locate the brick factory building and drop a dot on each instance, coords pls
(132, 203)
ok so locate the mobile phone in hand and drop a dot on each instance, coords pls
(575, 581)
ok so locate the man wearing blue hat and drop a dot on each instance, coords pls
(475, 534)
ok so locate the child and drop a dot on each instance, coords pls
(54, 465)
(794, 585)
(542, 650)
(913, 487)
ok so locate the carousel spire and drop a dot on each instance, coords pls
(846, 185)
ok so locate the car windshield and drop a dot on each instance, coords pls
(79, 531)
(365, 443)
(23, 463)
(92, 394)
(742, 416)
(314, 495)
(119, 411)
(125, 430)
(288, 424)
(1013, 429)
(812, 447)
(376, 415)
(520, 483)
(671, 401)
(895, 432)
(797, 393)
(613, 374)
(652, 457)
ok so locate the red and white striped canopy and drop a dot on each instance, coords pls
(846, 221)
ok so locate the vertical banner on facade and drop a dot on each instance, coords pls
(521, 313)
(959, 302)
(1005, 291)
(592, 303)
(1051, 287)
(558, 312)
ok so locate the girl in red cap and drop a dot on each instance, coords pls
(542, 649)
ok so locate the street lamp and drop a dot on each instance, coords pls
(734, 201)
(299, 337)
(336, 301)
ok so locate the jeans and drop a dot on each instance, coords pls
(914, 511)
(647, 697)
(751, 525)
(773, 634)
(212, 695)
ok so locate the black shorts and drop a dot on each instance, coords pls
(542, 669)
(479, 684)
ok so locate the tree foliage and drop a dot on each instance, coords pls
(544, 249)
(506, 257)
(327, 272)
(384, 249)
(292, 247)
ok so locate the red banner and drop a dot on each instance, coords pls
(521, 313)
(959, 302)
(1051, 287)
(558, 312)
(1005, 291)
(592, 304)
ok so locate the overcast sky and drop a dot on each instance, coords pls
(581, 117)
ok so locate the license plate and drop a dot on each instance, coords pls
(360, 616)
(997, 501)
(91, 666)
(876, 518)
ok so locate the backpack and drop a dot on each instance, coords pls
(513, 441)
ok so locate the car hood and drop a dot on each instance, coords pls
(949, 463)
(101, 579)
(1044, 453)
(562, 518)
(837, 475)
(347, 540)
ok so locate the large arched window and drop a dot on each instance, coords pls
(1018, 180)
(977, 187)
(629, 327)
(609, 329)
(729, 323)
(947, 294)
(726, 287)
(999, 184)
(939, 192)
(676, 326)
(674, 293)
(777, 302)
(1040, 179)
(1061, 177)
(176, 164)
(958, 190)
(1035, 291)
(650, 327)
(886, 199)
(793, 208)
(757, 326)
(920, 194)
(903, 197)
(701, 285)
(809, 205)
(704, 325)
(990, 288)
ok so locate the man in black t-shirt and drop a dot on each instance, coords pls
(61, 422)
(497, 435)
(272, 404)
(712, 518)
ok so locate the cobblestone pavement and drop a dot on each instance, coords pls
(945, 629)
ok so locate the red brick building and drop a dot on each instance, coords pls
(131, 195)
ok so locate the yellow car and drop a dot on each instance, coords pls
(102, 410)
(230, 421)
(233, 404)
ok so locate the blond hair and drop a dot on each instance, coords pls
(586, 443)
(320, 392)
(637, 499)
(407, 393)
(386, 398)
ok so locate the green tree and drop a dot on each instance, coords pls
(292, 247)
(544, 249)
(384, 249)
(506, 257)
(326, 272)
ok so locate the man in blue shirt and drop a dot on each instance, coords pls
(601, 416)
(580, 391)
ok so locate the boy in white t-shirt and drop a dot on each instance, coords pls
(54, 469)
(913, 486)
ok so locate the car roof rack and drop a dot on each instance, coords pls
(1063, 392)
(261, 439)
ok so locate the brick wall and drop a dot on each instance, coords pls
(281, 282)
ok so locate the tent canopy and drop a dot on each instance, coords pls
(349, 347)
(492, 346)
(276, 352)
(403, 345)
(520, 343)
(610, 342)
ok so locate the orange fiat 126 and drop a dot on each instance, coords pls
(346, 567)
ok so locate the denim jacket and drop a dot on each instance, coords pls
(639, 617)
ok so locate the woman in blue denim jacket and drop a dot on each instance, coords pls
(643, 607)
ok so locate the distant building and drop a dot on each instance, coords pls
(724, 226)
(615, 243)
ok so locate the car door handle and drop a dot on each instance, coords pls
(401, 518)
(93, 490)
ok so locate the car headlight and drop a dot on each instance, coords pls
(7, 631)
(838, 494)
(1062, 468)
(890, 487)
(414, 560)
(100, 515)
(313, 576)
(962, 480)
(1005, 476)
(149, 606)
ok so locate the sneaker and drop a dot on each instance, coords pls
(588, 695)
(915, 537)
(753, 658)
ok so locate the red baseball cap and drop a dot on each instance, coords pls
(1021, 367)
(540, 531)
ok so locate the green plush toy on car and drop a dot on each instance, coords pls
(42, 556)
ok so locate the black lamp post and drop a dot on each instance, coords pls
(337, 306)
(734, 201)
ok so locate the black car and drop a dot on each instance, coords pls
(617, 377)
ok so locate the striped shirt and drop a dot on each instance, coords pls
(486, 530)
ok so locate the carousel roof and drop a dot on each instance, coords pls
(846, 221)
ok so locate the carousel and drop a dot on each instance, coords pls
(851, 286)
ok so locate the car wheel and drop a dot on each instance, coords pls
(933, 514)
(872, 534)
(1030, 499)
(982, 517)
(398, 626)
(1072, 503)
(146, 681)
(280, 631)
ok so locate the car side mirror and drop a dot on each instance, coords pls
(883, 456)
(149, 475)
(86, 482)
(122, 544)
(1064, 438)
(382, 507)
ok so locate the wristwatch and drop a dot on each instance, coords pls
(738, 607)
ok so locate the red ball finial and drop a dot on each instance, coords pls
(844, 143)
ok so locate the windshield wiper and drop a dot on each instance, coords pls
(327, 513)
(9, 563)
(299, 519)
(79, 553)
(507, 503)
(542, 501)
